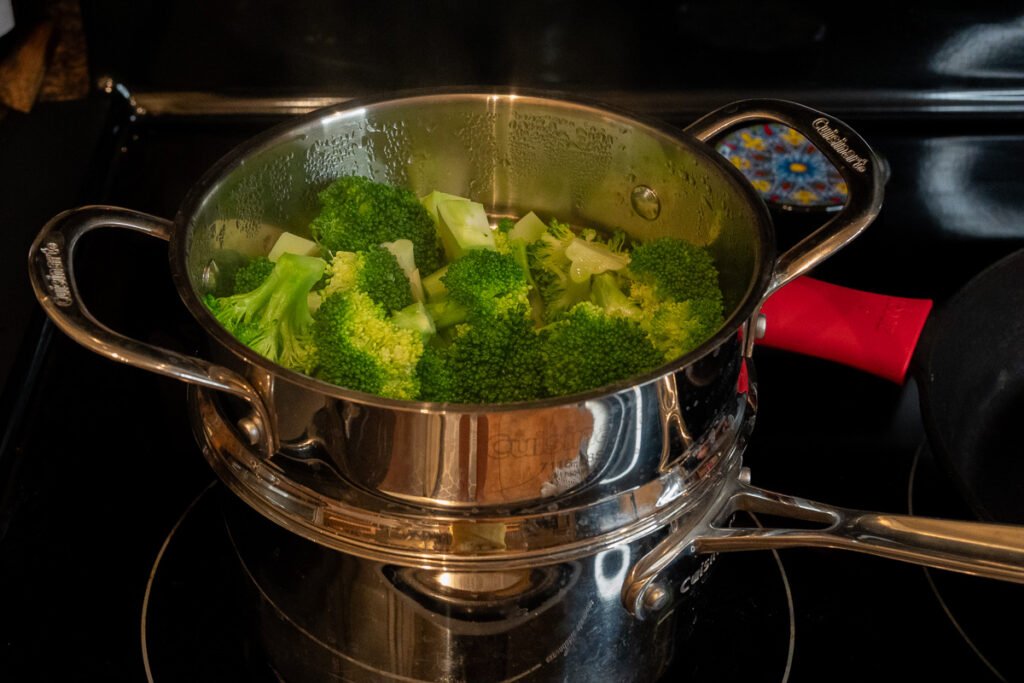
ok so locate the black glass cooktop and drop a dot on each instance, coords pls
(113, 559)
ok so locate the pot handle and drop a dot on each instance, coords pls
(994, 551)
(853, 158)
(52, 272)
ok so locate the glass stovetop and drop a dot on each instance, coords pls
(113, 563)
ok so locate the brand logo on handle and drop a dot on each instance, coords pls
(837, 142)
(57, 276)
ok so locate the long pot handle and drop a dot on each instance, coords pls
(52, 272)
(854, 159)
(994, 551)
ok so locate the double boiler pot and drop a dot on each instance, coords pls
(542, 540)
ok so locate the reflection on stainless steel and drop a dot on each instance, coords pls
(856, 162)
(993, 102)
(347, 517)
(51, 270)
(332, 616)
(948, 179)
(989, 51)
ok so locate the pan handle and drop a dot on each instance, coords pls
(51, 270)
(994, 551)
(876, 333)
(853, 158)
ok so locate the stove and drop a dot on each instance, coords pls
(115, 560)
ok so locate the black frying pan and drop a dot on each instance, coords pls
(969, 364)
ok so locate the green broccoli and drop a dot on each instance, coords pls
(505, 225)
(489, 359)
(356, 346)
(675, 283)
(252, 274)
(485, 281)
(678, 327)
(588, 348)
(675, 269)
(607, 293)
(492, 351)
(274, 318)
(550, 268)
(376, 272)
(357, 213)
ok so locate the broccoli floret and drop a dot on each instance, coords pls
(357, 213)
(356, 346)
(490, 359)
(588, 348)
(505, 225)
(376, 272)
(252, 274)
(274, 318)
(676, 270)
(550, 268)
(492, 354)
(486, 281)
(677, 327)
(607, 293)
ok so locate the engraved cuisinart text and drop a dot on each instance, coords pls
(838, 143)
(57, 277)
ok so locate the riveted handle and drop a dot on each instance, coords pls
(52, 272)
(856, 162)
(994, 551)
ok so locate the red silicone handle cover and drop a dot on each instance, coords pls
(872, 332)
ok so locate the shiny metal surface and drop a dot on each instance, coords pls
(856, 162)
(994, 551)
(326, 615)
(903, 103)
(309, 499)
(512, 150)
(51, 270)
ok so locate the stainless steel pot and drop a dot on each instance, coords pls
(651, 465)
(512, 150)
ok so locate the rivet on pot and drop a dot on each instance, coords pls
(645, 202)
(760, 326)
(251, 429)
(656, 597)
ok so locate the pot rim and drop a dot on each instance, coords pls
(178, 252)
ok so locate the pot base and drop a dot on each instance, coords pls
(203, 616)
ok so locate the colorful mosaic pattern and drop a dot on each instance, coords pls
(784, 167)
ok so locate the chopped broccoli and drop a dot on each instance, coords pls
(607, 294)
(356, 346)
(490, 359)
(522, 312)
(676, 269)
(589, 257)
(485, 281)
(274, 318)
(678, 327)
(252, 274)
(550, 267)
(415, 317)
(446, 313)
(376, 272)
(588, 348)
(357, 213)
